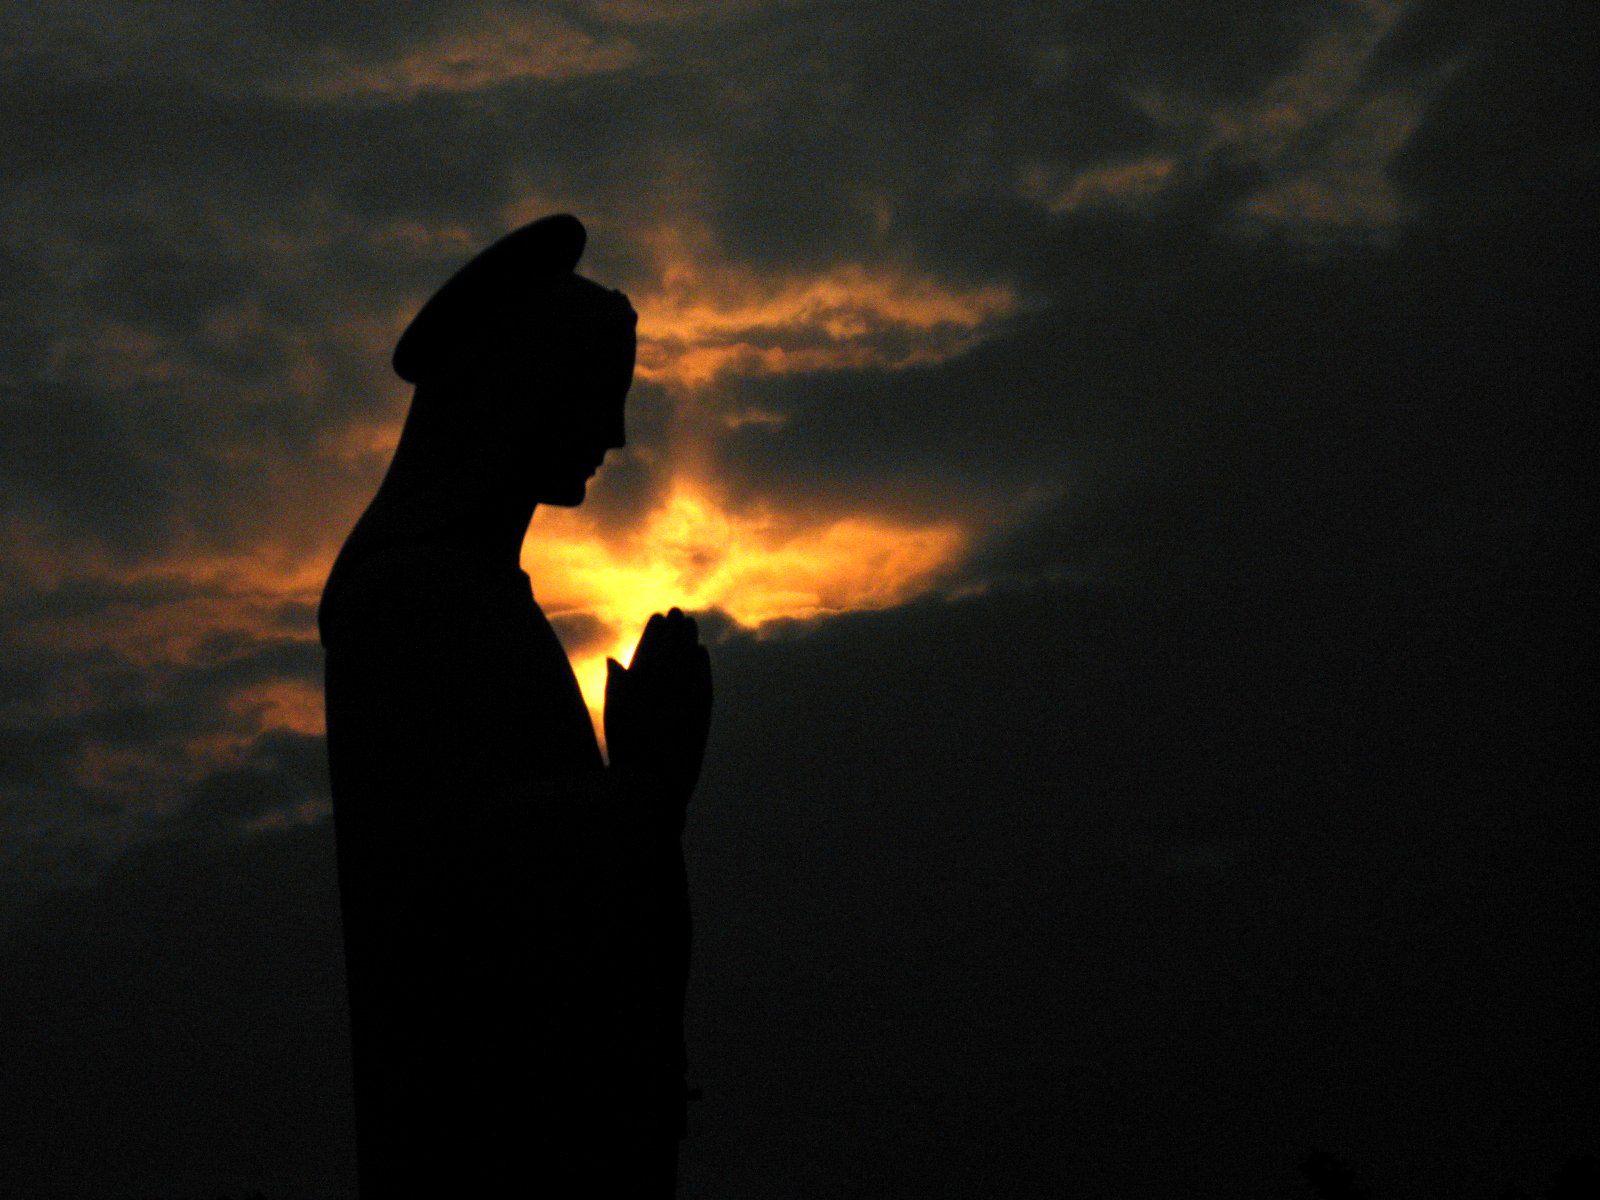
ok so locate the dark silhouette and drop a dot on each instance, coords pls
(1332, 1178)
(1579, 1176)
(515, 911)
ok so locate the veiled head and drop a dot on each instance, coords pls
(524, 365)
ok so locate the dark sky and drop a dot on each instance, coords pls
(1131, 456)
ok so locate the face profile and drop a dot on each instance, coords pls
(576, 415)
(533, 361)
(522, 369)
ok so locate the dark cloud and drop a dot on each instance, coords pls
(1160, 861)
(281, 781)
(181, 1025)
(1513, 128)
(100, 741)
(78, 462)
(170, 291)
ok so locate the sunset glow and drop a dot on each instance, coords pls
(707, 316)
(696, 554)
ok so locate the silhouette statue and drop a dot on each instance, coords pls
(515, 911)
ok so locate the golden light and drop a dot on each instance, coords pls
(756, 567)
(704, 315)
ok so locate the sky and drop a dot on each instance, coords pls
(1128, 459)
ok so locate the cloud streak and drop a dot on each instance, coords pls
(503, 45)
(707, 317)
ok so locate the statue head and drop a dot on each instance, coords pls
(524, 364)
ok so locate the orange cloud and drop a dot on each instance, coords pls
(162, 628)
(692, 551)
(289, 704)
(185, 609)
(704, 316)
(757, 567)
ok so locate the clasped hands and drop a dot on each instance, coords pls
(658, 709)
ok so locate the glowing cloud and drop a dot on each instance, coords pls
(704, 317)
(756, 567)
(154, 625)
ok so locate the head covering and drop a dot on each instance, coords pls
(521, 296)
(517, 307)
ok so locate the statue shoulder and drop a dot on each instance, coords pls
(412, 591)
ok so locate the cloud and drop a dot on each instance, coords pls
(500, 46)
(134, 695)
(1117, 183)
(1322, 133)
(753, 566)
(705, 316)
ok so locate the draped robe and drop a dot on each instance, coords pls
(516, 913)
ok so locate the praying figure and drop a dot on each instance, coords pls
(516, 913)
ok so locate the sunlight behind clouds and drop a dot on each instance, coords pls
(756, 567)
(706, 316)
